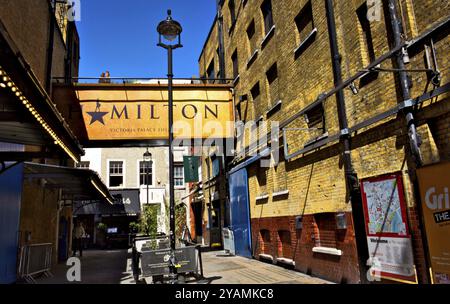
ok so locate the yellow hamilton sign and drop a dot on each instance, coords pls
(140, 112)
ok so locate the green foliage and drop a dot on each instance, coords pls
(102, 226)
(134, 227)
(148, 223)
(180, 220)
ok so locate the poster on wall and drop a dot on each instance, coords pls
(434, 182)
(388, 237)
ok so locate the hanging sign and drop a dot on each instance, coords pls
(191, 164)
(141, 112)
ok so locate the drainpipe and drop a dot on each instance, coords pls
(354, 195)
(221, 43)
(414, 138)
(51, 39)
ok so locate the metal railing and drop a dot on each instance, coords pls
(140, 80)
(35, 259)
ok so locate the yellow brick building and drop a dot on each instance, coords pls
(280, 55)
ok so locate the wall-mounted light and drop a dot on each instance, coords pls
(354, 89)
(341, 220)
(299, 222)
(405, 56)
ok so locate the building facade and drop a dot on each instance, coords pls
(37, 149)
(358, 91)
(125, 170)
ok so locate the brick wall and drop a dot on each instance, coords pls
(28, 23)
(316, 180)
(335, 268)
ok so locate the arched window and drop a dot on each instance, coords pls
(284, 244)
(264, 237)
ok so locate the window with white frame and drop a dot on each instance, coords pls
(178, 175)
(145, 173)
(116, 174)
(83, 164)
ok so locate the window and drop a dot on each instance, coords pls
(315, 118)
(83, 165)
(366, 44)
(285, 246)
(367, 50)
(215, 166)
(266, 9)
(250, 35)
(232, 9)
(255, 91)
(261, 177)
(145, 173)
(116, 173)
(325, 234)
(234, 59)
(265, 241)
(210, 71)
(305, 27)
(272, 73)
(178, 175)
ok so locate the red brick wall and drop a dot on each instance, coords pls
(334, 268)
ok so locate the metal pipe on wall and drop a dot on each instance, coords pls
(221, 43)
(51, 41)
(351, 178)
(413, 137)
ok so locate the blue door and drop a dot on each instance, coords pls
(10, 199)
(240, 213)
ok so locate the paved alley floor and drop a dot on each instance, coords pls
(114, 267)
(220, 268)
(97, 267)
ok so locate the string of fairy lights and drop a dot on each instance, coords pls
(7, 83)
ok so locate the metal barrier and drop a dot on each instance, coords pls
(150, 258)
(35, 259)
(228, 241)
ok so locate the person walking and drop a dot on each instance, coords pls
(78, 241)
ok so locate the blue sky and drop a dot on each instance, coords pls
(120, 36)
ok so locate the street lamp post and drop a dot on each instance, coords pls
(148, 162)
(170, 30)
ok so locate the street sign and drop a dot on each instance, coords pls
(156, 262)
(191, 164)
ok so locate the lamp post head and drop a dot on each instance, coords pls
(169, 28)
(147, 156)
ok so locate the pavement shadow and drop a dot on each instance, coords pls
(205, 280)
(224, 256)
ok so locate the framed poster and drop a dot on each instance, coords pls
(388, 237)
(434, 182)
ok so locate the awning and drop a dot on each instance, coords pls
(27, 114)
(196, 189)
(251, 160)
(76, 184)
(126, 202)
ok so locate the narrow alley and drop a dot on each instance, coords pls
(114, 267)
